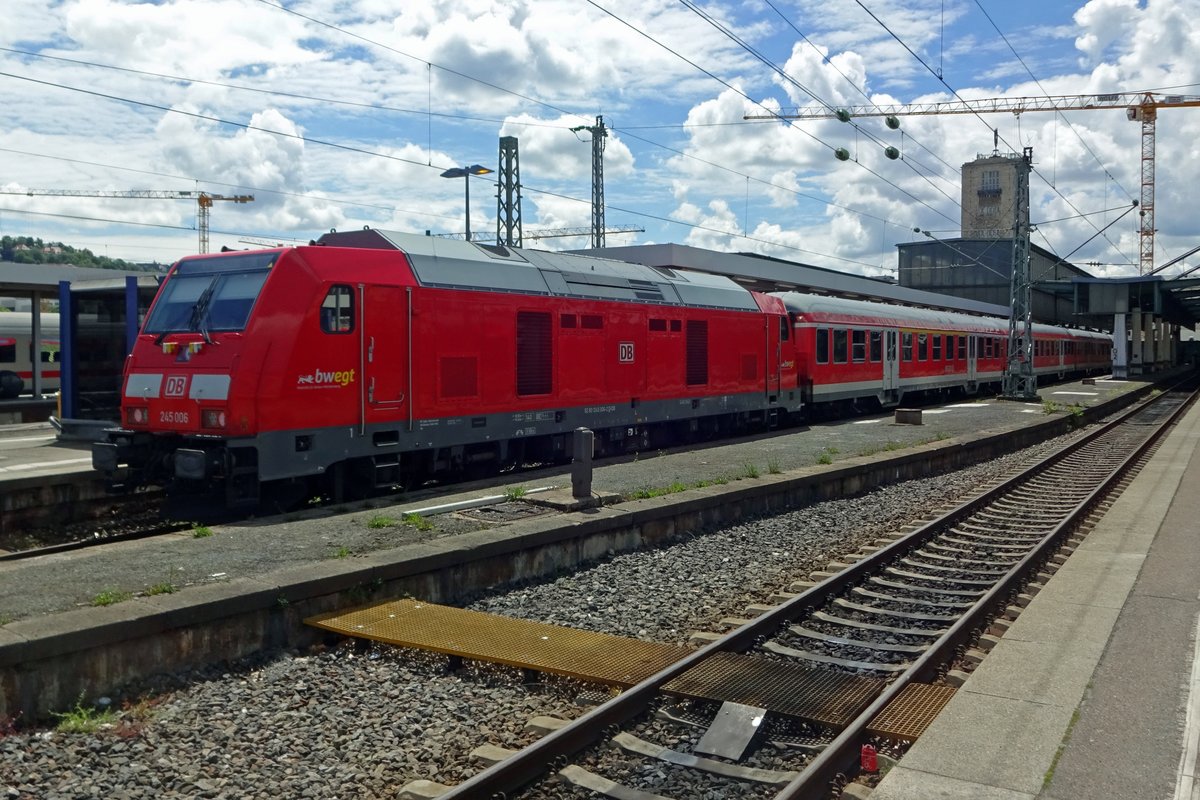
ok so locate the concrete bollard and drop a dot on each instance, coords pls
(582, 445)
(908, 416)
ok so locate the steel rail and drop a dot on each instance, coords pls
(841, 753)
(553, 750)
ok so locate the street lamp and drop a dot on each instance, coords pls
(465, 173)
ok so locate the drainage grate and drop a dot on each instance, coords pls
(910, 713)
(503, 512)
(597, 657)
(822, 696)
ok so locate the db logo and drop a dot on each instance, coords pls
(176, 385)
(625, 352)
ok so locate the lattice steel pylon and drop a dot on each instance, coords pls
(508, 194)
(1019, 381)
(1139, 106)
(599, 134)
(204, 200)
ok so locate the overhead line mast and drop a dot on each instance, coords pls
(1139, 106)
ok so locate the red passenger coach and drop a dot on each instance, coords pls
(373, 358)
(851, 350)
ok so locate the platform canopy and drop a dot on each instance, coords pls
(767, 274)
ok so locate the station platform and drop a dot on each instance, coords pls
(1094, 691)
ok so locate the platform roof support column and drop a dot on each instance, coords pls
(35, 342)
(1120, 347)
(66, 356)
(1148, 327)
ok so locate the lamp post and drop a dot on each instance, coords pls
(465, 173)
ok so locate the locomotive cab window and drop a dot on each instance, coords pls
(8, 351)
(337, 310)
(210, 294)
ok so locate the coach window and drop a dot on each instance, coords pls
(908, 346)
(876, 346)
(839, 345)
(8, 351)
(962, 347)
(337, 310)
(858, 346)
(822, 346)
(937, 348)
(922, 347)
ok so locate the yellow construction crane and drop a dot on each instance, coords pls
(1139, 106)
(204, 200)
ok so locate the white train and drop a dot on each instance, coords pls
(17, 353)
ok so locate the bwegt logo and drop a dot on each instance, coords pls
(326, 378)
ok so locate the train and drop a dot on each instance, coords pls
(16, 353)
(369, 359)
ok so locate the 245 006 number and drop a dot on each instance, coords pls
(178, 417)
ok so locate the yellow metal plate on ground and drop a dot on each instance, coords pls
(598, 657)
(910, 713)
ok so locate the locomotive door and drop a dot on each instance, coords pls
(384, 341)
(776, 329)
(891, 363)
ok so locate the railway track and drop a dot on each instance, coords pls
(863, 643)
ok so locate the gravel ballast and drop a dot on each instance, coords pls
(360, 721)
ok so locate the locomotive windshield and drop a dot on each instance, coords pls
(210, 294)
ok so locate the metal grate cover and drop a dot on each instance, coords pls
(910, 713)
(598, 657)
(818, 695)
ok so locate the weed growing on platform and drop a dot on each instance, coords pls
(825, 458)
(341, 552)
(1050, 407)
(721, 480)
(5, 619)
(658, 491)
(514, 493)
(83, 720)
(773, 466)
(110, 596)
(749, 470)
(380, 521)
(166, 587)
(201, 531)
(418, 522)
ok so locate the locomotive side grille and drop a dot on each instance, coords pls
(749, 367)
(534, 353)
(697, 352)
(460, 376)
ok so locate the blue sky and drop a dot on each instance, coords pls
(339, 115)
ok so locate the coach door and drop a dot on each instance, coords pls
(891, 364)
(384, 357)
(972, 357)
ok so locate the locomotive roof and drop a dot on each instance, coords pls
(451, 263)
(840, 309)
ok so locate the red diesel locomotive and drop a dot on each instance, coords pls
(374, 358)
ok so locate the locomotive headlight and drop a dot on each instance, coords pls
(212, 418)
(137, 415)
